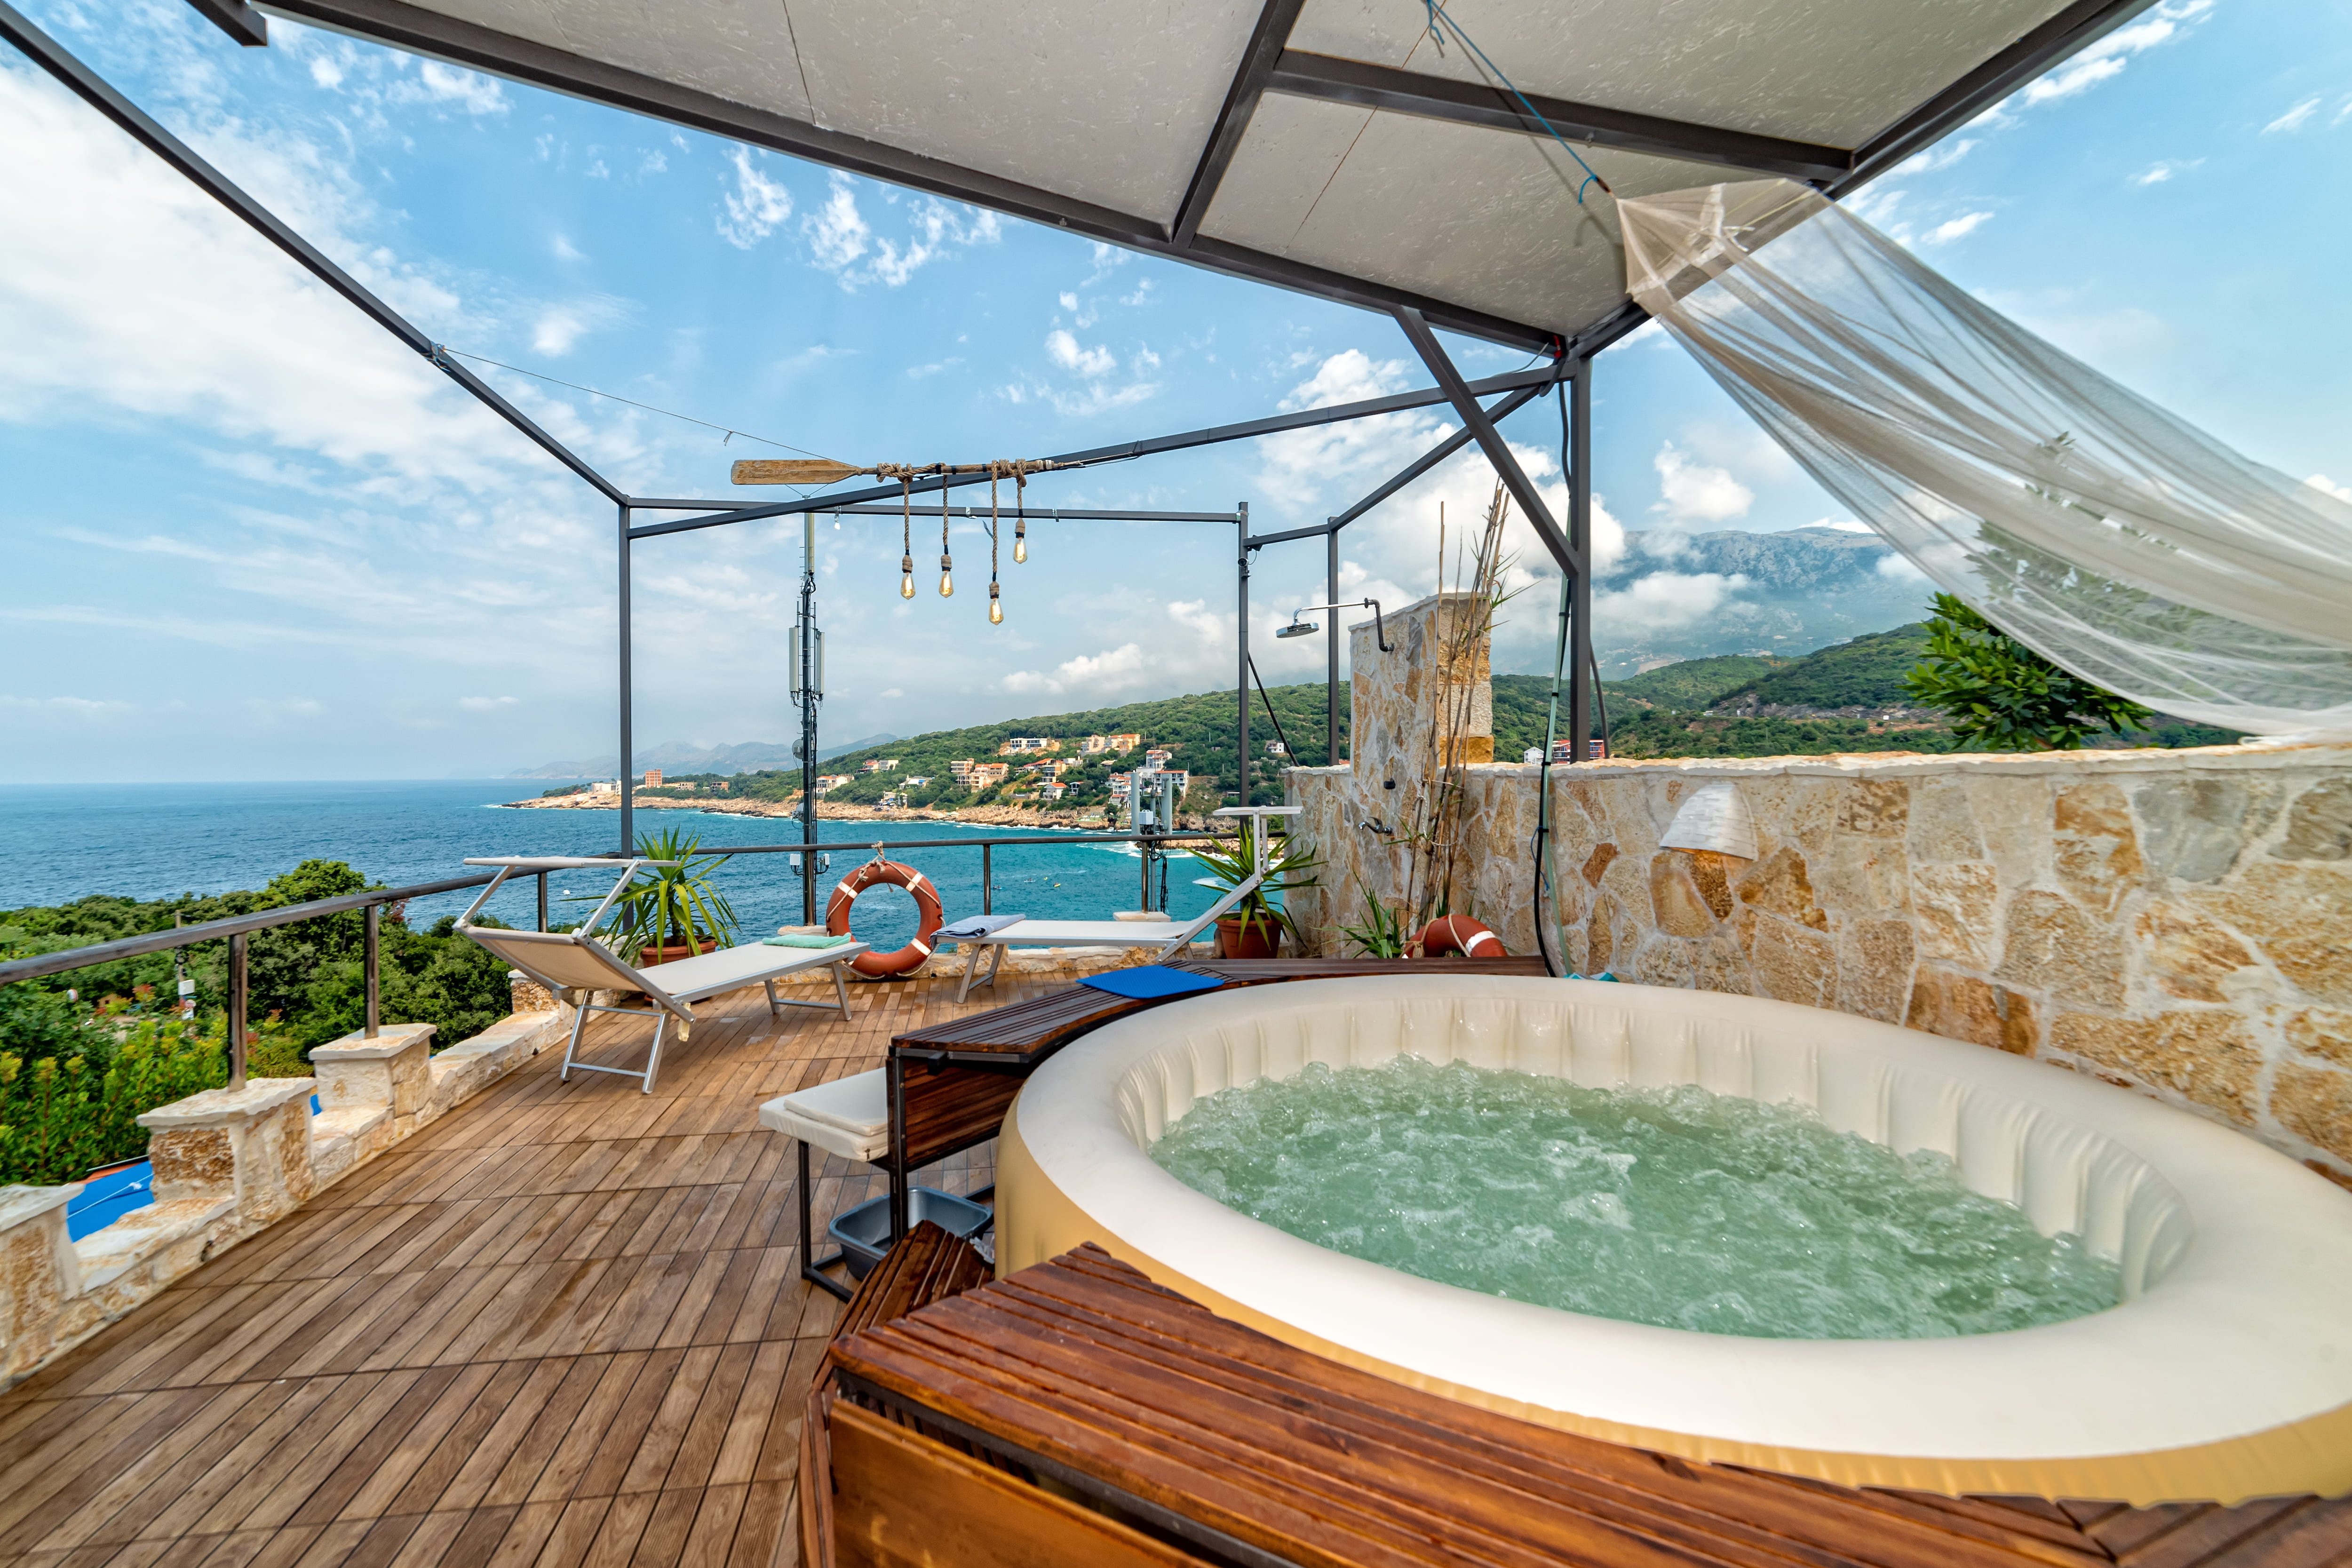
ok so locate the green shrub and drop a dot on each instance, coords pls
(2001, 696)
(61, 1115)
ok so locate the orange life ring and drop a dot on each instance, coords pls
(1460, 934)
(875, 873)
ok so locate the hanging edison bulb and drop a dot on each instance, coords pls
(906, 577)
(1019, 540)
(995, 607)
(946, 577)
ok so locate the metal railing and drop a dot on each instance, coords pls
(238, 928)
(987, 847)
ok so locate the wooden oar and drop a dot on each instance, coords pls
(790, 471)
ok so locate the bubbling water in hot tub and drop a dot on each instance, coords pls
(1671, 1206)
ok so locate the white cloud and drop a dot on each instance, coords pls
(2327, 486)
(560, 326)
(487, 704)
(1845, 525)
(841, 240)
(2159, 172)
(91, 317)
(756, 206)
(1696, 492)
(2343, 113)
(1665, 601)
(1937, 157)
(80, 709)
(1069, 300)
(564, 250)
(438, 83)
(1896, 567)
(1065, 350)
(1967, 224)
(1121, 668)
(839, 234)
(2293, 118)
(2107, 58)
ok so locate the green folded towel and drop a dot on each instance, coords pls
(797, 941)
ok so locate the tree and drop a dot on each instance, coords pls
(2001, 696)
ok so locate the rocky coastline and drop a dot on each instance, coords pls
(826, 811)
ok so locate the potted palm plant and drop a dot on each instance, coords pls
(672, 912)
(1253, 928)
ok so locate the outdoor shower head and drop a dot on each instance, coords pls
(1299, 628)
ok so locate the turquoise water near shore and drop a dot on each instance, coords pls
(153, 841)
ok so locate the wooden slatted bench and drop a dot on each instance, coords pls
(951, 1082)
(1074, 1413)
(930, 1265)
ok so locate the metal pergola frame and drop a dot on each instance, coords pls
(1513, 391)
(1267, 65)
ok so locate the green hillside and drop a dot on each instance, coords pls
(1199, 729)
(1697, 707)
(1866, 672)
(1691, 682)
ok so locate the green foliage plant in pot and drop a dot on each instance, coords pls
(674, 911)
(1255, 927)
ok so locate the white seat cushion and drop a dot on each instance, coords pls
(867, 1149)
(844, 1117)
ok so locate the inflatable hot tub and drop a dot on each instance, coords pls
(2223, 1372)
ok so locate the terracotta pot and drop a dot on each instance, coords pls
(651, 954)
(1263, 939)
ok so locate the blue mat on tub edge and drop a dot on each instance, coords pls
(1147, 980)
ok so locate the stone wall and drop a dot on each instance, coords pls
(2178, 922)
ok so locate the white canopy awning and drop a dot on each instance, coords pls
(1324, 145)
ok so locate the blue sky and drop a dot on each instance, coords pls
(251, 537)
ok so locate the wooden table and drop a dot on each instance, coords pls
(950, 1084)
(1076, 1413)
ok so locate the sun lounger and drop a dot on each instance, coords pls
(1167, 937)
(574, 966)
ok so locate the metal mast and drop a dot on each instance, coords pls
(808, 690)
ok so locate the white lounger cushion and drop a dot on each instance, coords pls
(849, 1116)
(732, 968)
(1086, 933)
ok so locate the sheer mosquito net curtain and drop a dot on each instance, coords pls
(2090, 524)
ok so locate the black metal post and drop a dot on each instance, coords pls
(1331, 643)
(628, 711)
(374, 973)
(543, 900)
(1579, 538)
(987, 880)
(808, 697)
(1490, 441)
(1241, 682)
(237, 1009)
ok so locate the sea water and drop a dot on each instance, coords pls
(153, 841)
(1672, 1207)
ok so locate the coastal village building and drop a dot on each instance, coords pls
(1157, 757)
(653, 778)
(917, 781)
(1020, 743)
(827, 783)
(960, 770)
(1124, 742)
(986, 776)
(878, 765)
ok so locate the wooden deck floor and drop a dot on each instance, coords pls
(562, 1325)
